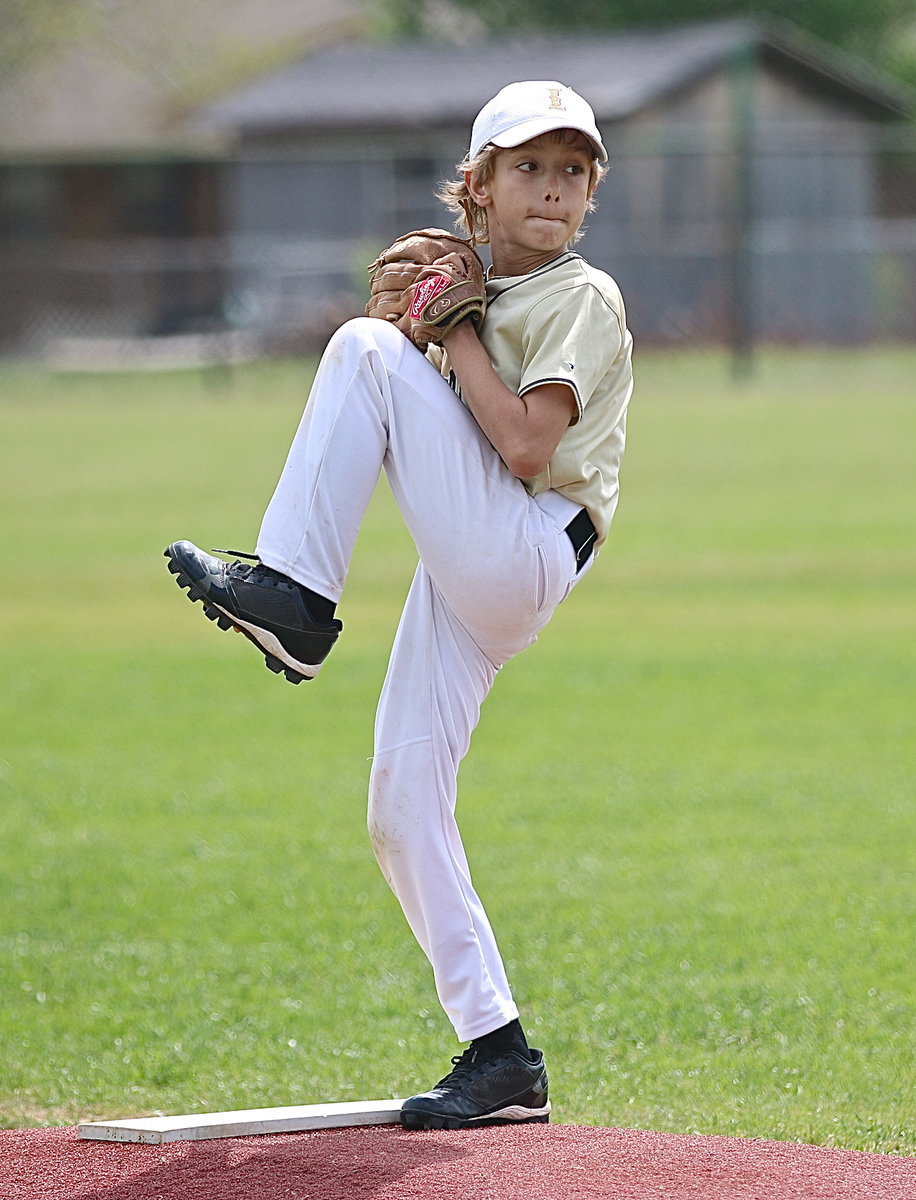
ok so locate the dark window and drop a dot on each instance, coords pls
(29, 202)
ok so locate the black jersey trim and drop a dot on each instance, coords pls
(553, 265)
(557, 379)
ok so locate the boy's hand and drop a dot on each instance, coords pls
(446, 293)
(426, 282)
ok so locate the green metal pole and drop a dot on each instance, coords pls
(741, 217)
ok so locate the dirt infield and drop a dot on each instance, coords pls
(555, 1162)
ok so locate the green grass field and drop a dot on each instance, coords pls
(690, 807)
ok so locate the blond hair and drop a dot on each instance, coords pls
(457, 199)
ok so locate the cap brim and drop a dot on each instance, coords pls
(527, 130)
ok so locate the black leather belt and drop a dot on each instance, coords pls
(582, 534)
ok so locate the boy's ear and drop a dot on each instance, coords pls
(479, 192)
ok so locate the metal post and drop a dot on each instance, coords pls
(741, 216)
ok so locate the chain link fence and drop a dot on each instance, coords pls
(822, 249)
(167, 302)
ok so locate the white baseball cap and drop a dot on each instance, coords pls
(522, 111)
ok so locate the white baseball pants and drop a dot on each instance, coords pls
(494, 564)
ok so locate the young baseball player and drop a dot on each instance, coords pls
(503, 456)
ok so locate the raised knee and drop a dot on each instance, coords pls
(372, 331)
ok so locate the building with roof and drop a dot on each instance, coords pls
(110, 198)
(744, 200)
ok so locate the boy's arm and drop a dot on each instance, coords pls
(524, 430)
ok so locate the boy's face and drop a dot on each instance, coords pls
(536, 198)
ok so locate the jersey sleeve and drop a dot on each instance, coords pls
(570, 337)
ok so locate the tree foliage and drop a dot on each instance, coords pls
(32, 28)
(882, 31)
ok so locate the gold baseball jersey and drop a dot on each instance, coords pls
(566, 323)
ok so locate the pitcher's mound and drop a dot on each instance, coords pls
(535, 1162)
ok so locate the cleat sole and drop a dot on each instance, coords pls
(280, 668)
(416, 1120)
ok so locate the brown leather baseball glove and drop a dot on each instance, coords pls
(425, 283)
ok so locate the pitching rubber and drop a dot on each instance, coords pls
(243, 1123)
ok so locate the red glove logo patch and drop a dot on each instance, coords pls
(425, 291)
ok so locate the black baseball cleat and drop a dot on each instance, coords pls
(501, 1089)
(267, 607)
